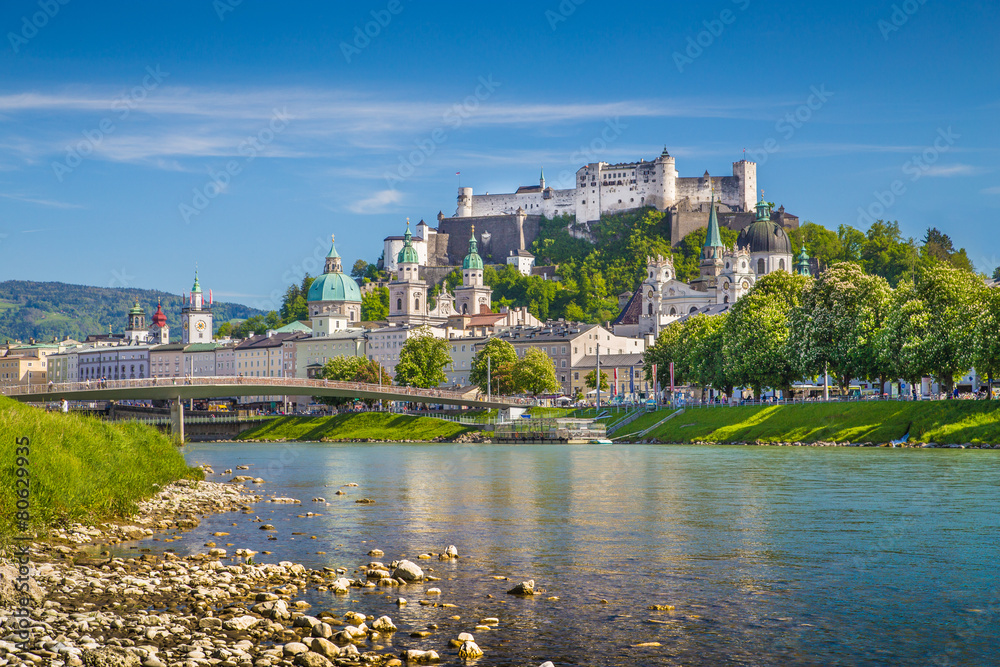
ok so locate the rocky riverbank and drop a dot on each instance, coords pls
(212, 608)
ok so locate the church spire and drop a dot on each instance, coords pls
(713, 239)
(333, 263)
(541, 178)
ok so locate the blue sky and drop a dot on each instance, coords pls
(140, 139)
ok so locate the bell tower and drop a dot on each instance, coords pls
(196, 316)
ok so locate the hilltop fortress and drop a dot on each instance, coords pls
(603, 188)
(509, 223)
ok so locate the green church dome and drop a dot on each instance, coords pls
(764, 235)
(334, 287)
(473, 260)
(408, 255)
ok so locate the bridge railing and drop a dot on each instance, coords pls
(267, 384)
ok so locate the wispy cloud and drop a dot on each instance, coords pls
(40, 202)
(946, 170)
(377, 203)
(995, 190)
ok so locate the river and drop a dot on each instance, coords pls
(769, 555)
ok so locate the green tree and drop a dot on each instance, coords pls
(422, 360)
(225, 330)
(703, 341)
(360, 269)
(821, 243)
(902, 341)
(536, 373)
(591, 380)
(494, 364)
(886, 253)
(670, 346)
(852, 243)
(987, 358)
(837, 326)
(755, 342)
(375, 305)
(352, 369)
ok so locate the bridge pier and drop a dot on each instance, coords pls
(177, 420)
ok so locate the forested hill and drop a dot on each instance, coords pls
(45, 310)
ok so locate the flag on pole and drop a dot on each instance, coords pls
(656, 386)
(614, 389)
(210, 297)
(458, 173)
(631, 379)
(671, 378)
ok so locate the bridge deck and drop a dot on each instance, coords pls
(229, 386)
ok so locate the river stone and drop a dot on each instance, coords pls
(322, 630)
(523, 588)
(241, 623)
(384, 624)
(451, 551)
(110, 657)
(294, 648)
(324, 647)
(10, 597)
(465, 637)
(408, 571)
(312, 660)
(417, 656)
(470, 651)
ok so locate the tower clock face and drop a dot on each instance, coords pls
(185, 324)
(200, 326)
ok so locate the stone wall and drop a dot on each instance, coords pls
(503, 236)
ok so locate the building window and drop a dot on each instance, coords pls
(760, 266)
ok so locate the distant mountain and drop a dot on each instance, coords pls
(46, 310)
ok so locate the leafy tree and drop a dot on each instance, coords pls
(375, 305)
(422, 360)
(225, 330)
(359, 269)
(821, 243)
(670, 346)
(502, 361)
(938, 246)
(837, 326)
(886, 253)
(996, 273)
(591, 380)
(903, 340)
(352, 369)
(536, 373)
(755, 342)
(703, 340)
(987, 357)
(852, 243)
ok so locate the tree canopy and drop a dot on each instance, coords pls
(422, 360)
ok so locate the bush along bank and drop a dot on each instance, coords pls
(362, 427)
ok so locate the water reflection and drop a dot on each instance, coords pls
(770, 556)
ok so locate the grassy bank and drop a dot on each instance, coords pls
(947, 422)
(378, 426)
(80, 467)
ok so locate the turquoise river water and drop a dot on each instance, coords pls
(770, 555)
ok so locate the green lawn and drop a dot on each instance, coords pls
(948, 422)
(80, 467)
(378, 426)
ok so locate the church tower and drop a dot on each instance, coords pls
(407, 293)
(159, 332)
(473, 296)
(196, 317)
(802, 263)
(712, 252)
(136, 332)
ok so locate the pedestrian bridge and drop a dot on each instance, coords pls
(178, 390)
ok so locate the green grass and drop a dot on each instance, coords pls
(946, 422)
(378, 426)
(80, 467)
(7, 305)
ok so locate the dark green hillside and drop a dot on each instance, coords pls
(45, 310)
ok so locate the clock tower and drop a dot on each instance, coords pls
(196, 317)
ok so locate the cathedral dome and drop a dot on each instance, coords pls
(473, 260)
(765, 236)
(334, 287)
(408, 255)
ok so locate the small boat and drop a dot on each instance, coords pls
(601, 441)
